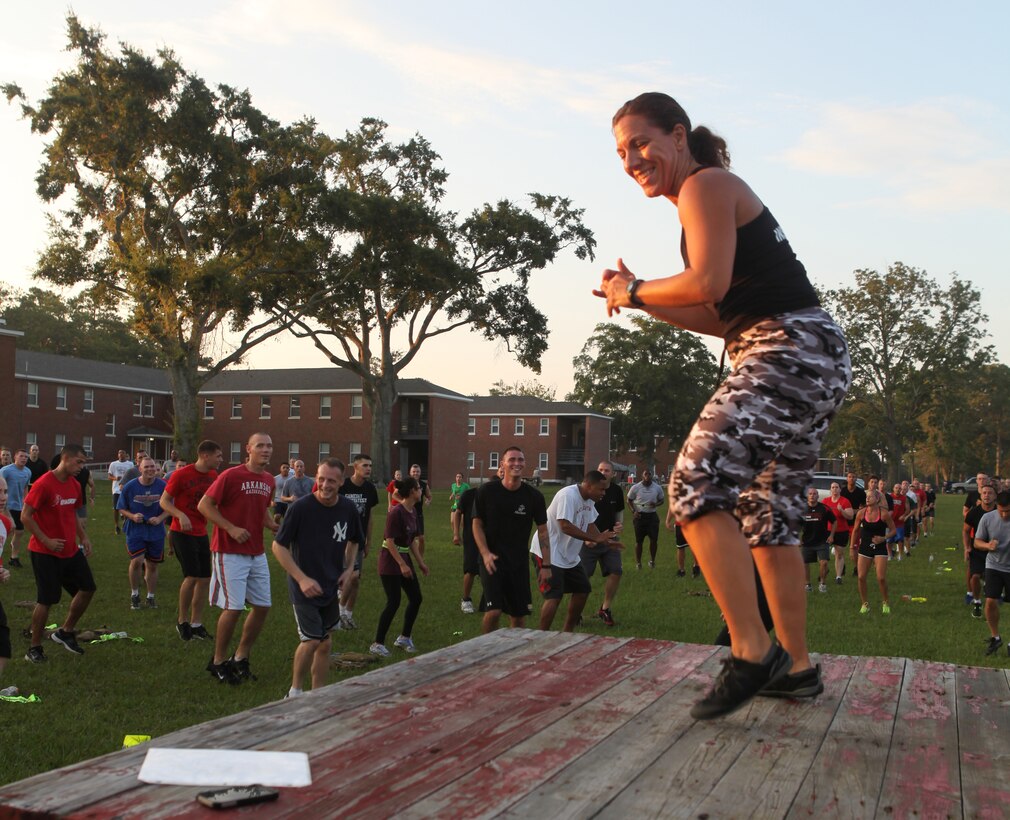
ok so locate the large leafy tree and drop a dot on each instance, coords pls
(909, 339)
(176, 201)
(652, 378)
(528, 387)
(73, 326)
(404, 270)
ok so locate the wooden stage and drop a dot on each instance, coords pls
(530, 724)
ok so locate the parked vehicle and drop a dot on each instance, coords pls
(823, 482)
(962, 487)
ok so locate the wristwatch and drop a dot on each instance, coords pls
(633, 292)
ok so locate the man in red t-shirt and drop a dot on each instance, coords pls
(842, 510)
(50, 515)
(188, 536)
(238, 505)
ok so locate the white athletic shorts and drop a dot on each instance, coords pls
(236, 579)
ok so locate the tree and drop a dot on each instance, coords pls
(407, 270)
(652, 378)
(73, 327)
(907, 337)
(180, 201)
(523, 388)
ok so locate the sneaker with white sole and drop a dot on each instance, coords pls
(379, 649)
(822, 588)
(347, 622)
(67, 641)
(406, 644)
(466, 606)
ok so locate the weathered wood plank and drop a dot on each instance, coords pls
(983, 721)
(582, 756)
(101, 778)
(922, 777)
(844, 779)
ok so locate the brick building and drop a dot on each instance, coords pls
(561, 439)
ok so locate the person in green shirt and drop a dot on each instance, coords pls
(456, 490)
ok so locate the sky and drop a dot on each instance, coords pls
(875, 132)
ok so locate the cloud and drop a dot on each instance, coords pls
(937, 155)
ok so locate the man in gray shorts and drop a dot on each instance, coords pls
(819, 525)
(610, 512)
(645, 498)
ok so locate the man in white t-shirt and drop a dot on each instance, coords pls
(570, 524)
(117, 469)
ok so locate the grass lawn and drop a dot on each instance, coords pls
(117, 688)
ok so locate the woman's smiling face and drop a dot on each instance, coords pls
(650, 155)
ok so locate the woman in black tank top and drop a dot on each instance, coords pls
(871, 530)
(741, 476)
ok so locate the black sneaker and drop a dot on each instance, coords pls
(67, 641)
(222, 672)
(976, 609)
(36, 655)
(994, 644)
(200, 633)
(805, 684)
(134, 602)
(681, 573)
(240, 668)
(185, 630)
(695, 571)
(151, 603)
(606, 616)
(14, 562)
(739, 681)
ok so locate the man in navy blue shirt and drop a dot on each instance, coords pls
(317, 545)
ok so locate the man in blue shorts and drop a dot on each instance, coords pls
(317, 545)
(18, 477)
(139, 505)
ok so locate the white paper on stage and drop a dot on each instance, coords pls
(225, 767)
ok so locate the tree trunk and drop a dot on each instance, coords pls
(188, 420)
(380, 396)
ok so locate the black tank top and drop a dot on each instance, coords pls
(767, 277)
(870, 530)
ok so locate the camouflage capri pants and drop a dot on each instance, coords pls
(753, 449)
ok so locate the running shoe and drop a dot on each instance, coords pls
(969, 598)
(606, 616)
(134, 602)
(822, 588)
(864, 609)
(347, 622)
(994, 644)
(695, 571)
(10, 692)
(805, 684)
(14, 562)
(240, 668)
(406, 644)
(638, 565)
(222, 672)
(185, 631)
(151, 602)
(200, 633)
(681, 573)
(808, 588)
(379, 649)
(36, 655)
(838, 580)
(67, 641)
(885, 609)
(652, 565)
(466, 606)
(739, 681)
(976, 609)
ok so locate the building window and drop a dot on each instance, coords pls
(471, 426)
(544, 462)
(143, 405)
(294, 450)
(88, 444)
(356, 406)
(492, 461)
(325, 407)
(324, 451)
(494, 427)
(520, 426)
(89, 400)
(353, 449)
(471, 461)
(236, 408)
(110, 424)
(235, 452)
(264, 407)
(61, 441)
(545, 427)
(33, 394)
(31, 438)
(61, 397)
(208, 408)
(295, 407)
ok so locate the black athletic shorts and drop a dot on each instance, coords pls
(280, 508)
(564, 580)
(646, 526)
(840, 539)
(871, 550)
(471, 557)
(420, 517)
(508, 589)
(5, 635)
(16, 518)
(53, 573)
(976, 561)
(193, 552)
(997, 583)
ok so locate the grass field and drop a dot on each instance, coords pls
(117, 688)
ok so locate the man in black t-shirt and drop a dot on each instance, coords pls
(415, 473)
(819, 526)
(610, 516)
(35, 464)
(975, 558)
(504, 513)
(358, 488)
(855, 494)
(317, 546)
